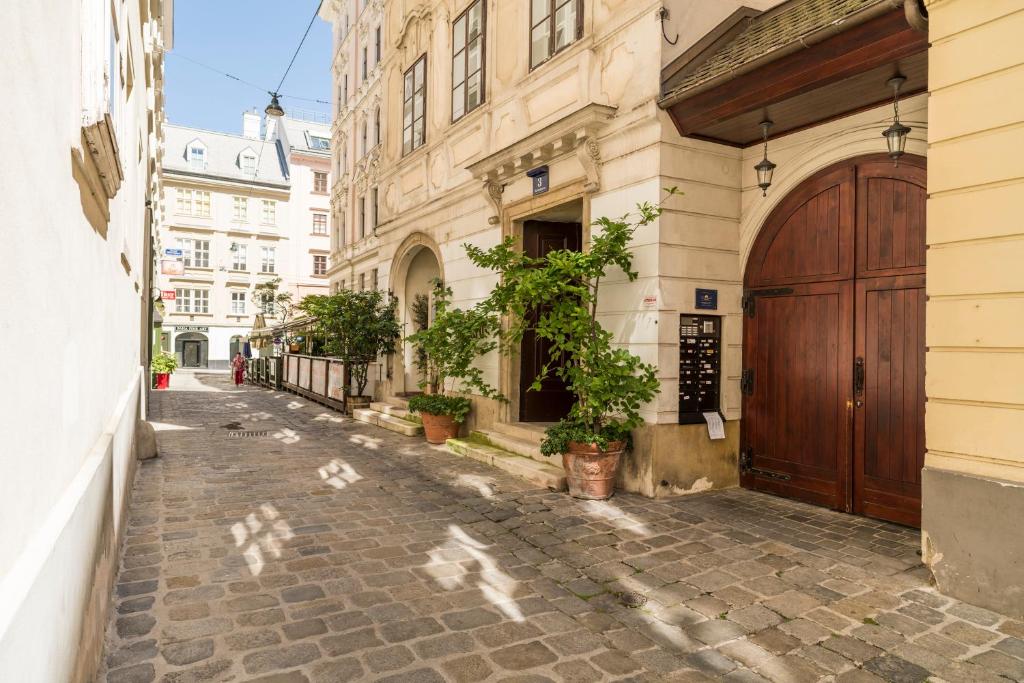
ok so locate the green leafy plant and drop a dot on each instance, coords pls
(420, 309)
(268, 298)
(451, 345)
(558, 297)
(441, 404)
(163, 363)
(356, 327)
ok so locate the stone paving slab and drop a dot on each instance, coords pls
(331, 550)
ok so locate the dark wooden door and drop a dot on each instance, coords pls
(190, 354)
(552, 401)
(833, 407)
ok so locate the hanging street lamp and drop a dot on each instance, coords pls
(765, 168)
(274, 108)
(896, 134)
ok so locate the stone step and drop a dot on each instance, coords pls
(526, 448)
(539, 473)
(389, 408)
(389, 422)
(532, 432)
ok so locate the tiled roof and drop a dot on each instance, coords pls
(774, 30)
(222, 155)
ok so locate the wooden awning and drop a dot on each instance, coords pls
(800, 64)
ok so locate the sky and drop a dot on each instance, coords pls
(252, 40)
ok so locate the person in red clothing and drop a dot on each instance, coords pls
(238, 366)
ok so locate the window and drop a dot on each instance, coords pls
(317, 142)
(362, 281)
(366, 62)
(344, 90)
(364, 139)
(319, 264)
(268, 256)
(319, 181)
(319, 223)
(362, 217)
(267, 304)
(468, 61)
(376, 127)
(414, 106)
(248, 164)
(376, 45)
(554, 25)
(197, 157)
(238, 257)
(269, 216)
(342, 232)
(373, 206)
(374, 278)
(241, 208)
(195, 253)
(191, 300)
(193, 203)
(238, 303)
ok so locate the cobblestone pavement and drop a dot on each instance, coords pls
(320, 549)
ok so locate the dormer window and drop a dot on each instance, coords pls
(197, 156)
(317, 142)
(247, 162)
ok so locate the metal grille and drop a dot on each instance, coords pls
(246, 435)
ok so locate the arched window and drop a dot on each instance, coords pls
(363, 137)
(376, 126)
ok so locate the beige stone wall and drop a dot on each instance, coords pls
(975, 313)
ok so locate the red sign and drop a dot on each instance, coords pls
(168, 295)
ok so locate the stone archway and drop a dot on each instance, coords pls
(192, 350)
(416, 265)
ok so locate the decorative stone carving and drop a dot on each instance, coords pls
(589, 154)
(493, 192)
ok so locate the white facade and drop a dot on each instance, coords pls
(75, 269)
(243, 210)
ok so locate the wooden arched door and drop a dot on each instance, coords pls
(833, 342)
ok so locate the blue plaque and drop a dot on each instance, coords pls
(540, 178)
(707, 299)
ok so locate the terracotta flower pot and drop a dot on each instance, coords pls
(589, 471)
(439, 428)
(163, 380)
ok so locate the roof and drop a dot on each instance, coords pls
(222, 155)
(299, 134)
(783, 27)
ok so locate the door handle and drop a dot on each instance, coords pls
(858, 376)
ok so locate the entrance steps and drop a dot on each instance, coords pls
(540, 473)
(521, 438)
(392, 415)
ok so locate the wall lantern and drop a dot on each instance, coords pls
(896, 134)
(765, 168)
(274, 108)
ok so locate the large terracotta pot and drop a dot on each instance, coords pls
(439, 428)
(589, 471)
(163, 380)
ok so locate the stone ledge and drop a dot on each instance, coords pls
(541, 474)
(389, 422)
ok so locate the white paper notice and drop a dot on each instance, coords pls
(716, 428)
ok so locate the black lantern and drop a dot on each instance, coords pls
(896, 134)
(765, 168)
(274, 108)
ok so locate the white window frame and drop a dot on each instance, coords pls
(239, 257)
(238, 303)
(268, 260)
(268, 212)
(241, 208)
(320, 259)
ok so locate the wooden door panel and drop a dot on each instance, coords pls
(889, 421)
(553, 400)
(890, 219)
(795, 421)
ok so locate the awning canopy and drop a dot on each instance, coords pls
(802, 63)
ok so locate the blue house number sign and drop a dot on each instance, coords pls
(707, 299)
(539, 176)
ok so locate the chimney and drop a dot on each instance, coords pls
(251, 124)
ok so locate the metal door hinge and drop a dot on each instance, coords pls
(747, 382)
(748, 301)
(747, 467)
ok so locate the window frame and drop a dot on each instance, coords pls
(240, 208)
(322, 260)
(377, 40)
(317, 176)
(319, 221)
(268, 255)
(238, 301)
(240, 257)
(553, 5)
(465, 57)
(412, 101)
(270, 204)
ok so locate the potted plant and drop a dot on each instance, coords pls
(449, 346)
(558, 295)
(356, 327)
(162, 365)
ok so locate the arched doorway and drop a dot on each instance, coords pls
(833, 342)
(236, 345)
(415, 268)
(192, 350)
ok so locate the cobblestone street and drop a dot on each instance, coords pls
(275, 540)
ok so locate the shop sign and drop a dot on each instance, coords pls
(191, 328)
(707, 299)
(168, 295)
